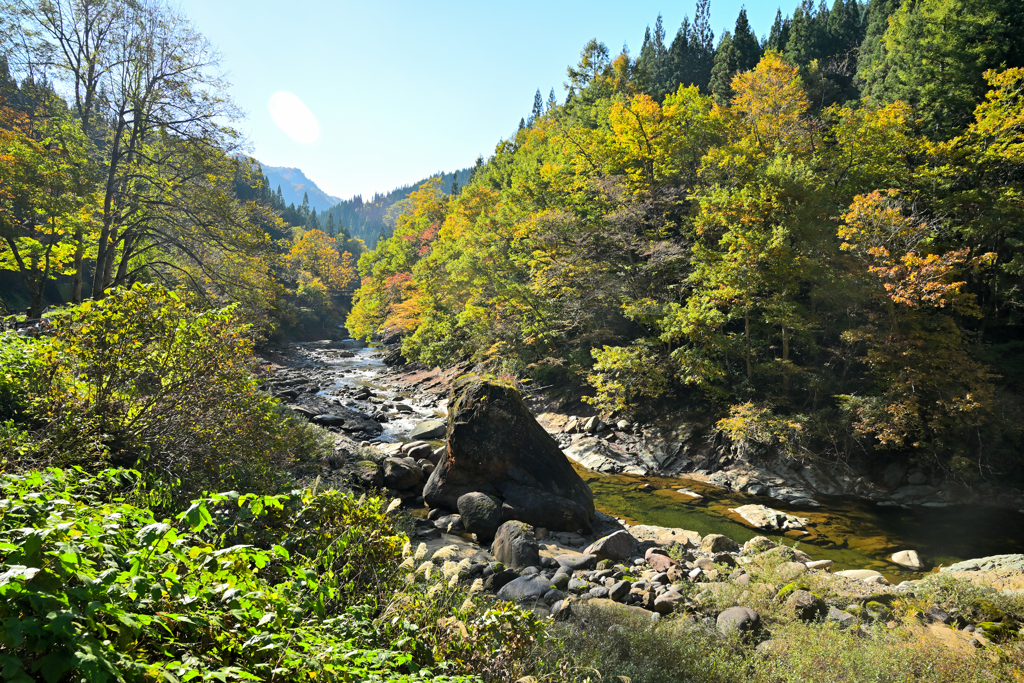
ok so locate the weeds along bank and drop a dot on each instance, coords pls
(117, 564)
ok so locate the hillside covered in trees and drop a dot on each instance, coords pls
(812, 241)
(119, 165)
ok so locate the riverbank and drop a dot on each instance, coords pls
(854, 533)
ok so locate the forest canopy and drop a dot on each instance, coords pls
(814, 238)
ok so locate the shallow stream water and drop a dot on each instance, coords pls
(854, 533)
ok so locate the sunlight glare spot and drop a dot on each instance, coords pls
(293, 117)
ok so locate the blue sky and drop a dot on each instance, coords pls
(401, 90)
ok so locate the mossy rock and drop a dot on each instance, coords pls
(789, 588)
(604, 564)
(877, 611)
(997, 631)
(987, 611)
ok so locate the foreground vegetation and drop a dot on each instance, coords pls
(119, 565)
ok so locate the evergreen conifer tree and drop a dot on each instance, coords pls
(725, 67)
(802, 46)
(538, 108)
(552, 100)
(702, 46)
(780, 33)
(873, 69)
(745, 43)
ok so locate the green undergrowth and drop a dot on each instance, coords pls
(94, 588)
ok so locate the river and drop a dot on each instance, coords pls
(852, 532)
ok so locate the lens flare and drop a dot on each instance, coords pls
(293, 117)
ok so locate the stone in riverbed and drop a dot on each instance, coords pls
(574, 562)
(763, 517)
(616, 546)
(806, 605)
(844, 619)
(859, 574)
(429, 429)
(525, 588)
(717, 543)
(481, 514)
(908, 559)
(495, 446)
(661, 563)
(349, 421)
(668, 601)
(515, 546)
(742, 619)
(368, 474)
(402, 474)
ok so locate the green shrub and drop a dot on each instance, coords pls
(142, 379)
(95, 588)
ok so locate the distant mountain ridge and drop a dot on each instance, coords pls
(371, 219)
(366, 219)
(294, 184)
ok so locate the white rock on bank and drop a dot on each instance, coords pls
(860, 574)
(762, 517)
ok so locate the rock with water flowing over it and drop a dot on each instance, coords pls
(496, 447)
(762, 517)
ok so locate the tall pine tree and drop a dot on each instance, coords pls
(779, 35)
(726, 65)
(748, 49)
(538, 108)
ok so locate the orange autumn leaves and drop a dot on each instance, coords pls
(315, 255)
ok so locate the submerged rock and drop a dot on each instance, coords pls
(496, 447)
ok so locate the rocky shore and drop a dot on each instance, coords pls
(522, 528)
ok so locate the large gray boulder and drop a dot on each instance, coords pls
(481, 514)
(806, 605)
(368, 474)
(402, 474)
(529, 587)
(515, 546)
(496, 447)
(742, 619)
(717, 543)
(616, 546)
